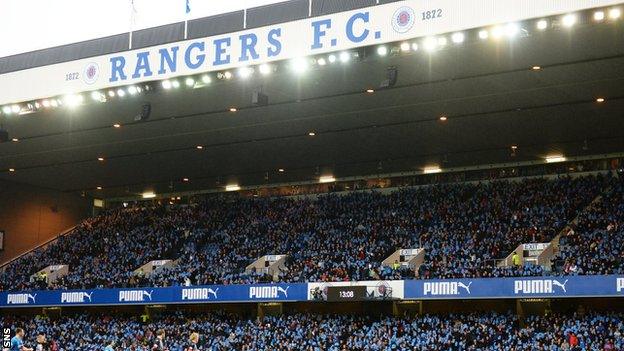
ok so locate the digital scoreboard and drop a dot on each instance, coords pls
(346, 293)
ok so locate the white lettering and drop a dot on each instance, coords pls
(445, 288)
(75, 297)
(539, 286)
(20, 299)
(267, 292)
(134, 296)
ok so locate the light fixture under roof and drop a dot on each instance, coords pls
(405, 47)
(599, 16)
(97, 96)
(430, 44)
(555, 158)
(311, 133)
(148, 195)
(569, 20)
(432, 170)
(73, 100)
(232, 187)
(443, 118)
(600, 99)
(327, 179)
(542, 24)
(344, 57)
(264, 69)
(299, 64)
(245, 72)
(458, 38)
(615, 13)
(497, 32)
(512, 29)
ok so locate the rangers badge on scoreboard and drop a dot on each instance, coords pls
(91, 73)
(403, 19)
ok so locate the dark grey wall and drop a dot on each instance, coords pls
(70, 52)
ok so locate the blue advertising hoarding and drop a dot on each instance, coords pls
(169, 295)
(511, 288)
(479, 288)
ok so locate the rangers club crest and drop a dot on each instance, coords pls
(91, 73)
(403, 19)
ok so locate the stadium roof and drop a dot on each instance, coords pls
(489, 91)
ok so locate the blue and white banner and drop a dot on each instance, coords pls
(169, 295)
(486, 288)
(391, 22)
(511, 288)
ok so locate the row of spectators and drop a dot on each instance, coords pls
(464, 229)
(595, 243)
(179, 332)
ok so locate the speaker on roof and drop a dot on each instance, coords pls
(392, 74)
(146, 111)
(259, 99)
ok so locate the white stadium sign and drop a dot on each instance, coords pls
(368, 26)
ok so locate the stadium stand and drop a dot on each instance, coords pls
(464, 228)
(595, 243)
(312, 175)
(219, 331)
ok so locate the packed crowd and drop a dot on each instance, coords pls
(179, 332)
(595, 243)
(463, 228)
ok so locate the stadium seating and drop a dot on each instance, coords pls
(464, 228)
(595, 244)
(479, 331)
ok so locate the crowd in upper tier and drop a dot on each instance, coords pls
(179, 332)
(464, 228)
(595, 243)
